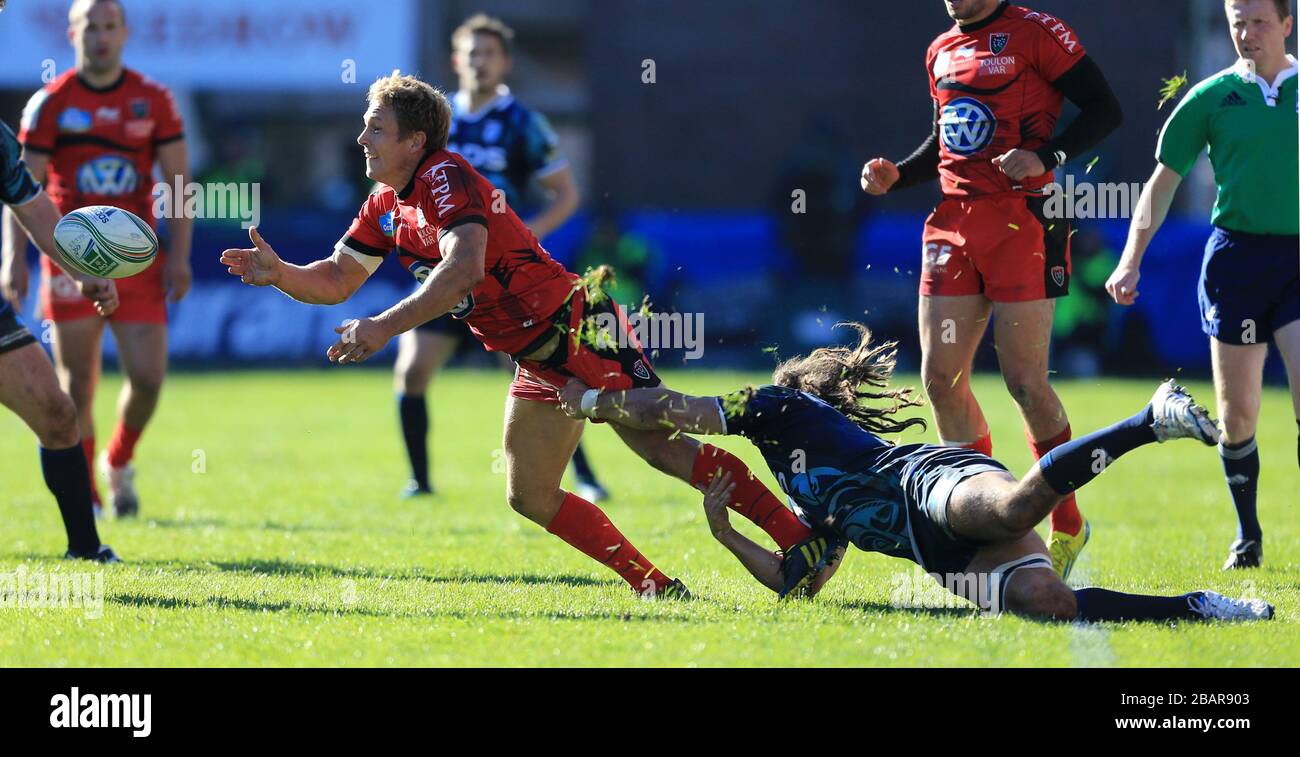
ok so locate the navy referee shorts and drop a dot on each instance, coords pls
(1250, 286)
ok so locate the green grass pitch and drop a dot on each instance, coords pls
(271, 535)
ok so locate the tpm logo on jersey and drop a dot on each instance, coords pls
(998, 42)
(107, 175)
(640, 370)
(967, 126)
(139, 108)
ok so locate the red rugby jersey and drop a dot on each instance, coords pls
(523, 285)
(102, 143)
(992, 84)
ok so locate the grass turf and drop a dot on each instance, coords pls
(271, 534)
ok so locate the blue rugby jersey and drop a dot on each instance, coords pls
(508, 143)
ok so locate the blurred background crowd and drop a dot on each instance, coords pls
(690, 128)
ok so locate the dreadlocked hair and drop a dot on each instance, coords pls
(846, 377)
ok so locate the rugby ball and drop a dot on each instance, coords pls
(100, 240)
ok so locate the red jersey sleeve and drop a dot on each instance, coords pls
(1057, 47)
(39, 127)
(371, 232)
(168, 126)
(453, 198)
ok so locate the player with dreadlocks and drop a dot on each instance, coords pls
(956, 512)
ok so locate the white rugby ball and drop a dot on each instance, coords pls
(104, 241)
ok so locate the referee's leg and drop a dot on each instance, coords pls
(1287, 339)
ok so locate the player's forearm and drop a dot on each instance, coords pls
(1153, 208)
(560, 209)
(15, 240)
(182, 237)
(763, 565)
(318, 283)
(36, 221)
(923, 164)
(658, 409)
(445, 288)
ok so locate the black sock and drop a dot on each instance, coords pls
(1077, 462)
(1241, 468)
(68, 478)
(415, 430)
(582, 469)
(1104, 604)
(1297, 441)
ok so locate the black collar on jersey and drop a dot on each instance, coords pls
(997, 14)
(410, 185)
(107, 88)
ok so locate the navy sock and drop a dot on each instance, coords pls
(415, 430)
(1104, 604)
(1075, 463)
(581, 468)
(1241, 468)
(68, 478)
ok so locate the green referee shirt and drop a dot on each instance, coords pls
(1250, 127)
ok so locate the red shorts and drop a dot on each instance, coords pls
(1001, 246)
(143, 296)
(604, 364)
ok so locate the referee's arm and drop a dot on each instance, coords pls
(1153, 207)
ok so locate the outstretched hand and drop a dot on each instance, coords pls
(258, 265)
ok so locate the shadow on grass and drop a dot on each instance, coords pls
(260, 606)
(204, 523)
(275, 567)
(858, 605)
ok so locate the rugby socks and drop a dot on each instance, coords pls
(1104, 604)
(121, 447)
(581, 468)
(67, 476)
(982, 445)
(751, 499)
(88, 451)
(1075, 463)
(1241, 469)
(414, 414)
(1297, 441)
(1066, 517)
(587, 529)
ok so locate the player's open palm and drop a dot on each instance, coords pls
(257, 265)
(1122, 285)
(878, 176)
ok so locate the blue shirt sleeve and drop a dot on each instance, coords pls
(17, 186)
(760, 413)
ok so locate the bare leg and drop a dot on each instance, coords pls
(77, 357)
(951, 329)
(539, 440)
(1238, 385)
(1023, 333)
